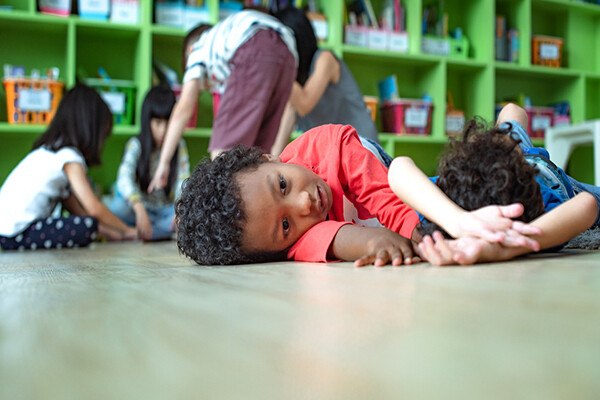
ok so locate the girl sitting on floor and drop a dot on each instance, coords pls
(153, 214)
(55, 172)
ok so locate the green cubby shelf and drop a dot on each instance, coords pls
(78, 47)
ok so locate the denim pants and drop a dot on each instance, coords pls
(160, 218)
(519, 133)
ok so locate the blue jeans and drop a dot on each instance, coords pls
(160, 218)
(519, 133)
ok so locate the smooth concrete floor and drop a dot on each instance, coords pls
(138, 321)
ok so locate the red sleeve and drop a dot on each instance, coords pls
(366, 179)
(314, 244)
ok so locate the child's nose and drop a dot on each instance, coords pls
(304, 204)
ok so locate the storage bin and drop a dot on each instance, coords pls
(445, 46)
(356, 35)
(170, 13)
(407, 116)
(55, 7)
(119, 95)
(125, 11)
(540, 118)
(547, 51)
(32, 101)
(94, 9)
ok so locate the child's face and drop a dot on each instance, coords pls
(158, 126)
(281, 202)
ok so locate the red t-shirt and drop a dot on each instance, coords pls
(359, 185)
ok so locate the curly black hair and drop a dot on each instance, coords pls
(485, 168)
(210, 211)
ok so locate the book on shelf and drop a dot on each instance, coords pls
(388, 89)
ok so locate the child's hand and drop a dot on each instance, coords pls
(386, 247)
(144, 227)
(495, 224)
(160, 178)
(440, 251)
(465, 250)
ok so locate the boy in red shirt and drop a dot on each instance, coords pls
(326, 199)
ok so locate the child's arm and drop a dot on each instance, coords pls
(90, 203)
(512, 112)
(305, 98)
(492, 223)
(288, 121)
(182, 112)
(558, 226)
(368, 245)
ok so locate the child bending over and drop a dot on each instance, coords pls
(250, 59)
(496, 166)
(153, 214)
(55, 172)
(327, 198)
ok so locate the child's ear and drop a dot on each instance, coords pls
(271, 158)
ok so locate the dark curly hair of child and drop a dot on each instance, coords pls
(210, 212)
(487, 167)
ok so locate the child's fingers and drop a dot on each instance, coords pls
(515, 239)
(526, 229)
(427, 248)
(446, 254)
(366, 260)
(511, 211)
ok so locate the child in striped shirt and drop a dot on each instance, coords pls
(250, 58)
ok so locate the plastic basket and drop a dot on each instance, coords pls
(547, 50)
(540, 118)
(32, 101)
(407, 116)
(119, 95)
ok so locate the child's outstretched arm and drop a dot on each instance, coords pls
(371, 245)
(492, 223)
(182, 112)
(558, 226)
(91, 205)
(288, 121)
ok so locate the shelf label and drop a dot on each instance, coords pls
(415, 117)
(115, 101)
(540, 122)
(320, 27)
(34, 100)
(548, 51)
(455, 123)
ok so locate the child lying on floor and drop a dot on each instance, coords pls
(489, 167)
(326, 199)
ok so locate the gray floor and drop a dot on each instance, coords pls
(133, 321)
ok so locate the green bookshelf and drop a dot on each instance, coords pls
(78, 47)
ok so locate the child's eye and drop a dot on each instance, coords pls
(282, 184)
(286, 226)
